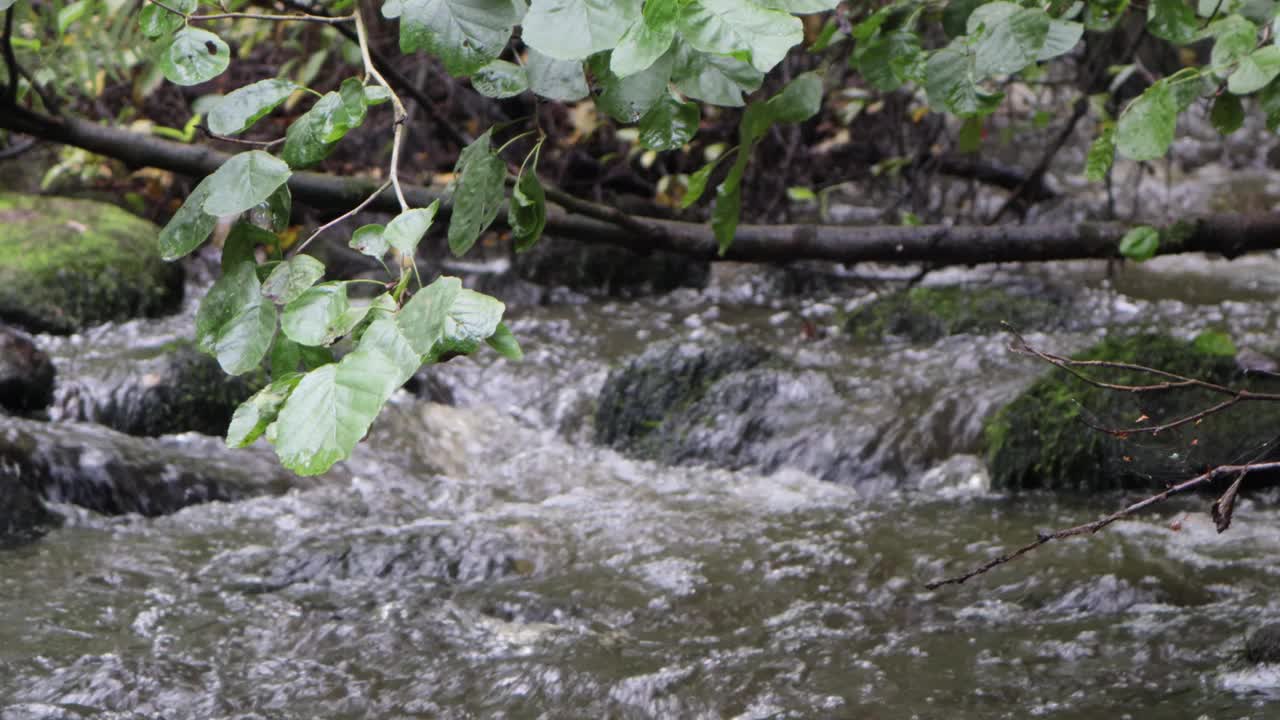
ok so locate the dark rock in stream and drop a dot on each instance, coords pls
(26, 373)
(69, 264)
(22, 514)
(111, 473)
(1263, 646)
(733, 406)
(926, 314)
(178, 390)
(1044, 438)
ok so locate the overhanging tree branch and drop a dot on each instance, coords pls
(939, 245)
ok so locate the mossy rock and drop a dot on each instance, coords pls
(926, 314)
(69, 264)
(1044, 438)
(668, 377)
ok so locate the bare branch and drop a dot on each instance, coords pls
(320, 230)
(1093, 527)
(301, 17)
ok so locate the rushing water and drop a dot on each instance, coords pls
(486, 560)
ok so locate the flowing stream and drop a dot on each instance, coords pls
(486, 559)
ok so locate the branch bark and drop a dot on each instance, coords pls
(939, 245)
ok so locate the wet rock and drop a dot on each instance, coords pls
(174, 390)
(111, 473)
(638, 397)
(926, 314)
(734, 406)
(606, 270)
(453, 554)
(26, 373)
(1043, 438)
(1263, 646)
(1106, 595)
(68, 264)
(22, 514)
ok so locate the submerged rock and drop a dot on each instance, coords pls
(26, 373)
(69, 264)
(1044, 438)
(608, 270)
(926, 314)
(1263, 646)
(178, 390)
(111, 473)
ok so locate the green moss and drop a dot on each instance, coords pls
(925, 314)
(67, 264)
(1041, 439)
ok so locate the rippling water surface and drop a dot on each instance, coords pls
(486, 560)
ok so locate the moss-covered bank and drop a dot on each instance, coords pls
(925, 314)
(68, 264)
(1043, 438)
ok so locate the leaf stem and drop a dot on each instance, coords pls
(340, 218)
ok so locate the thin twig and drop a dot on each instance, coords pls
(365, 203)
(1037, 175)
(1093, 527)
(397, 139)
(304, 17)
(240, 141)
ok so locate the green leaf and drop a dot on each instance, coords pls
(505, 343)
(286, 355)
(320, 315)
(1063, 36)
(190, 226)
(1147, 126)
(500, 79)
(376, 95)
(274, 212)
(1172, 20)
(1269, 102)
(728, 207)
(1214, 342)
(1010, 43)
(1103, 15)
(715, 79)
(405, 230)
(669, 124)
(527, 212)
(153, 20)
(1227, 115)
(292, 278)
(330, 410)
(561, 80)
(800, 7)
(369, 240)
(648, 38)
(478, 193)
(1236, 38)
(312, 137)
(422, 319)
(471, 319)
(628, 99)
(384, 336)
(732, 27)
(465, 34)
(192, 56)
(1101, 154)
(698, 182)
(70, 13)
(241, 108)
(244, 181)
(241, 244)
(255, 414)
(576, 29)
(888, 59)
(1140, 243)
(1256, 71)
(951, 83)
(955, 17)
(235, 323)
